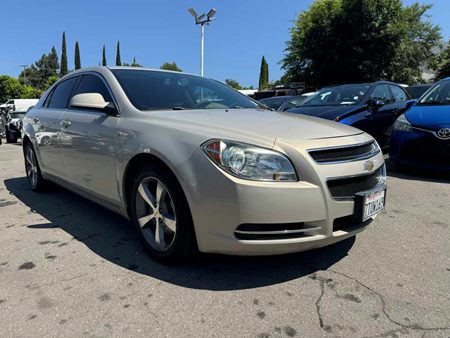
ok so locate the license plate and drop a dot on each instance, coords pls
(371, 203)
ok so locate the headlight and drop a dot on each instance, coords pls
(402, 124)
(250, 162)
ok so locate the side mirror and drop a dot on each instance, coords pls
(375, 103)
(92, 101)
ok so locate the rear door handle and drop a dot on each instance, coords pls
(65, 123)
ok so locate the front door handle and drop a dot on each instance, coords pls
(65, 123)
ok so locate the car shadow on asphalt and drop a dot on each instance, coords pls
(112, 237)
(415, 174)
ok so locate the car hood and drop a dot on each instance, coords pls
(251, 124)
(325, 112)
(429, 117)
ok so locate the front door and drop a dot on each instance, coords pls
(88, 143)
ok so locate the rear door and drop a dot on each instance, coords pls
(46, 124)
(88, 141)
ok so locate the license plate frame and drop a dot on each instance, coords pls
(367, 203)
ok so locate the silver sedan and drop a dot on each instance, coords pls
(197, 166)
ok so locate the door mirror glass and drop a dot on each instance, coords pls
(91, 101)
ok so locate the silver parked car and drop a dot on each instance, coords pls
(196, 165)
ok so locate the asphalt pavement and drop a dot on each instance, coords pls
(70, 268)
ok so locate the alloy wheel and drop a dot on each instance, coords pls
(31, 166)
(156, 214)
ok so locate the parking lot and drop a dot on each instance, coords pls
(71, 268)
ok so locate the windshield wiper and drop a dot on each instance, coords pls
(177, 108)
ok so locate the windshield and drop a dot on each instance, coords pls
(274, 102)
(340, 95)
(17, 115)
(438, 95)
(155, 90)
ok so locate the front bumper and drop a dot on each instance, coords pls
(419, 149)
(220, 203)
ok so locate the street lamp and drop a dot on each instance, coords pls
(202, 20)
(24, 73)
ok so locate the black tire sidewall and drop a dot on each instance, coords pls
(184, 245)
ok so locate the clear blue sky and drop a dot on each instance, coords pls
(156, 31)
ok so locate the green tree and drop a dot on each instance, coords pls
(50, 81)
(443, 70)
(63, 71)
(29, 92)
(233, 84)
(104, 56)
(344, 41)
(170, 66)
(133, 64)
(118, 61)
(10, 88)
(263, 74)
(77, 60)
(37, 74)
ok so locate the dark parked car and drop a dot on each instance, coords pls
(421, 136)
(371, 107)
(283, 103)
(417, 91)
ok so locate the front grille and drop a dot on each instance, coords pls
(346, 188)
(348, 153)
(273, 231)
(427, 150)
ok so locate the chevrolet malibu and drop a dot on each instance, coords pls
(197, 166)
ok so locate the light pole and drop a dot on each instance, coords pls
(24, 73)
(202, 20)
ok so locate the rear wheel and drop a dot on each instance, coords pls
(161, 215)
(32, 169)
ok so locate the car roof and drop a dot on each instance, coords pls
(101, 69)
(362, 84)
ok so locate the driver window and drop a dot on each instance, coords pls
(398, 93)
(381, 92)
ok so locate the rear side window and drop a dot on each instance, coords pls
(93, 84)
(61, 94)
(381, 92)
(398, 94)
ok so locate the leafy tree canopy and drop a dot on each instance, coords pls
(37, 75)
(233, 84)
(10, 88)
(443, 70)
(171, 66)
(344, 41)
(133, 64)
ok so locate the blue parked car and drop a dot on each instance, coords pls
(372, 107)
(421, 136)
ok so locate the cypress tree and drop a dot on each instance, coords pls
(77, 56)
(104, 56)
(118, 61)
(63, 70)
(263, 74)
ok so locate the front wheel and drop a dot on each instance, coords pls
(161, 215)
(32, 169)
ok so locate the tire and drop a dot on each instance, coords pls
(32, 170)
(163, 224)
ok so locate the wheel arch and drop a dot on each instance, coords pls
(134, 164)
